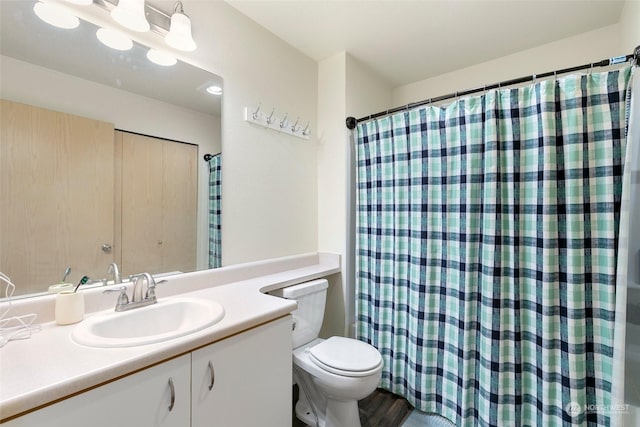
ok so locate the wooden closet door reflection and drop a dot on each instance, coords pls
(56, 196)
(157, 215)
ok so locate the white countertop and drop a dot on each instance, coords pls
(50, 366)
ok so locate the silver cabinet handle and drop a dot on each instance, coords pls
(213, 375)
(173, 394)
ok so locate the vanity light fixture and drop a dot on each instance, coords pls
(179, 36)
(56, 15)
(135, 15)
(161, 58)
(115, 39)
(131, 14)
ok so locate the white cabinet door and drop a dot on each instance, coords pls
(244, 380)
(140, 400)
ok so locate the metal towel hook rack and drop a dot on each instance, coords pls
(283, 124)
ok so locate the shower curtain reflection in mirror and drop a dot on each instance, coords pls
(215, 210)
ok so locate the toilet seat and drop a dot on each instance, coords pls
(346, 356)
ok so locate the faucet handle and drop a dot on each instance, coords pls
(151, 287)
(123, 298)
(151, 292)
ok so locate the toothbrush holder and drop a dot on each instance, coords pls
(69, 307)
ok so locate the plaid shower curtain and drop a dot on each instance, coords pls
(215, 197)
(486, 244)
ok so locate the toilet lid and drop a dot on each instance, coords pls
(345, 354)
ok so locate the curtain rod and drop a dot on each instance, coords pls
(351, 122)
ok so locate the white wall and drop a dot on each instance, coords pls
(581, 49)
(269, 198)
(345, 88)
(630, 26)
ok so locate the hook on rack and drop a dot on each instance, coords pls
(284, 121)
(270, 118)
(295, 128)
(255, 113)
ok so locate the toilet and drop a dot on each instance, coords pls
(332, 374)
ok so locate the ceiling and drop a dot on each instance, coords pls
(407, 41)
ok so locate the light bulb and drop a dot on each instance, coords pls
(81, 2)
(56, 15)
(161, 58)
(179, 36)
(114, 39)
(130, 14)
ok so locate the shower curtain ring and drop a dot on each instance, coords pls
(295, 128)
(284, 121)
(305, 131)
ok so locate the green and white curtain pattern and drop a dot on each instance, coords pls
(486, 251)
(215, 211)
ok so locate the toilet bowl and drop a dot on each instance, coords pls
(332, 374)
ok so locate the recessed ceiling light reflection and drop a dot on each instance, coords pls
(114, 39)
(56, 15)
(214, 90)
(161, 58)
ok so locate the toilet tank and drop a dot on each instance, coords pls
(307, 318)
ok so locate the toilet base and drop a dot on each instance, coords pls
(338, 414)
(304, 414)
(342, 414)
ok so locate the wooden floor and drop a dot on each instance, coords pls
(380, 409)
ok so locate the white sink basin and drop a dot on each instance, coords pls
(167, 319)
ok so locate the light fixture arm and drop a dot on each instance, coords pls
(178, 8)
(159, 20)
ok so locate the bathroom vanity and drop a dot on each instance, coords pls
(242, 380)
(235, 372)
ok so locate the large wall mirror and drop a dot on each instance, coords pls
(105, 157)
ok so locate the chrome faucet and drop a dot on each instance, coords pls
(138, 282)
(113, 269)
(138, 297)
